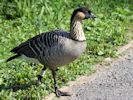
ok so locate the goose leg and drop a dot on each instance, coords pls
(58, 92)
(40, 76)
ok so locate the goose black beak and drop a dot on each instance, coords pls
(92, 16)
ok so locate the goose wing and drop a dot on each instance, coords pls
(34, 46)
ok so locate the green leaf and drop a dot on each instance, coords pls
(100, 53)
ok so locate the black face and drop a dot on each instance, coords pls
(84, 10)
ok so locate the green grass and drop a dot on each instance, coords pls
(21, 20)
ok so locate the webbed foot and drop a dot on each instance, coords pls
(60, 93)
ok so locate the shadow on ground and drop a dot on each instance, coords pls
(18, 86)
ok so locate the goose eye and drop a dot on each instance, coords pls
(89, 12)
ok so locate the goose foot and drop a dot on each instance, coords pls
(60, 93)
(39, 79)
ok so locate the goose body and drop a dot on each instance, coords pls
(56, 48)
(61, 51)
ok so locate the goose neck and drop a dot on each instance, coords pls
(76, 30)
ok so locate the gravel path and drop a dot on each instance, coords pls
(114, 82)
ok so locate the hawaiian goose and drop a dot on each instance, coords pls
(56, 48)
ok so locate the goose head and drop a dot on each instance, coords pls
(82, 13)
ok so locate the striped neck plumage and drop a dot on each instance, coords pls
(76, 30)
